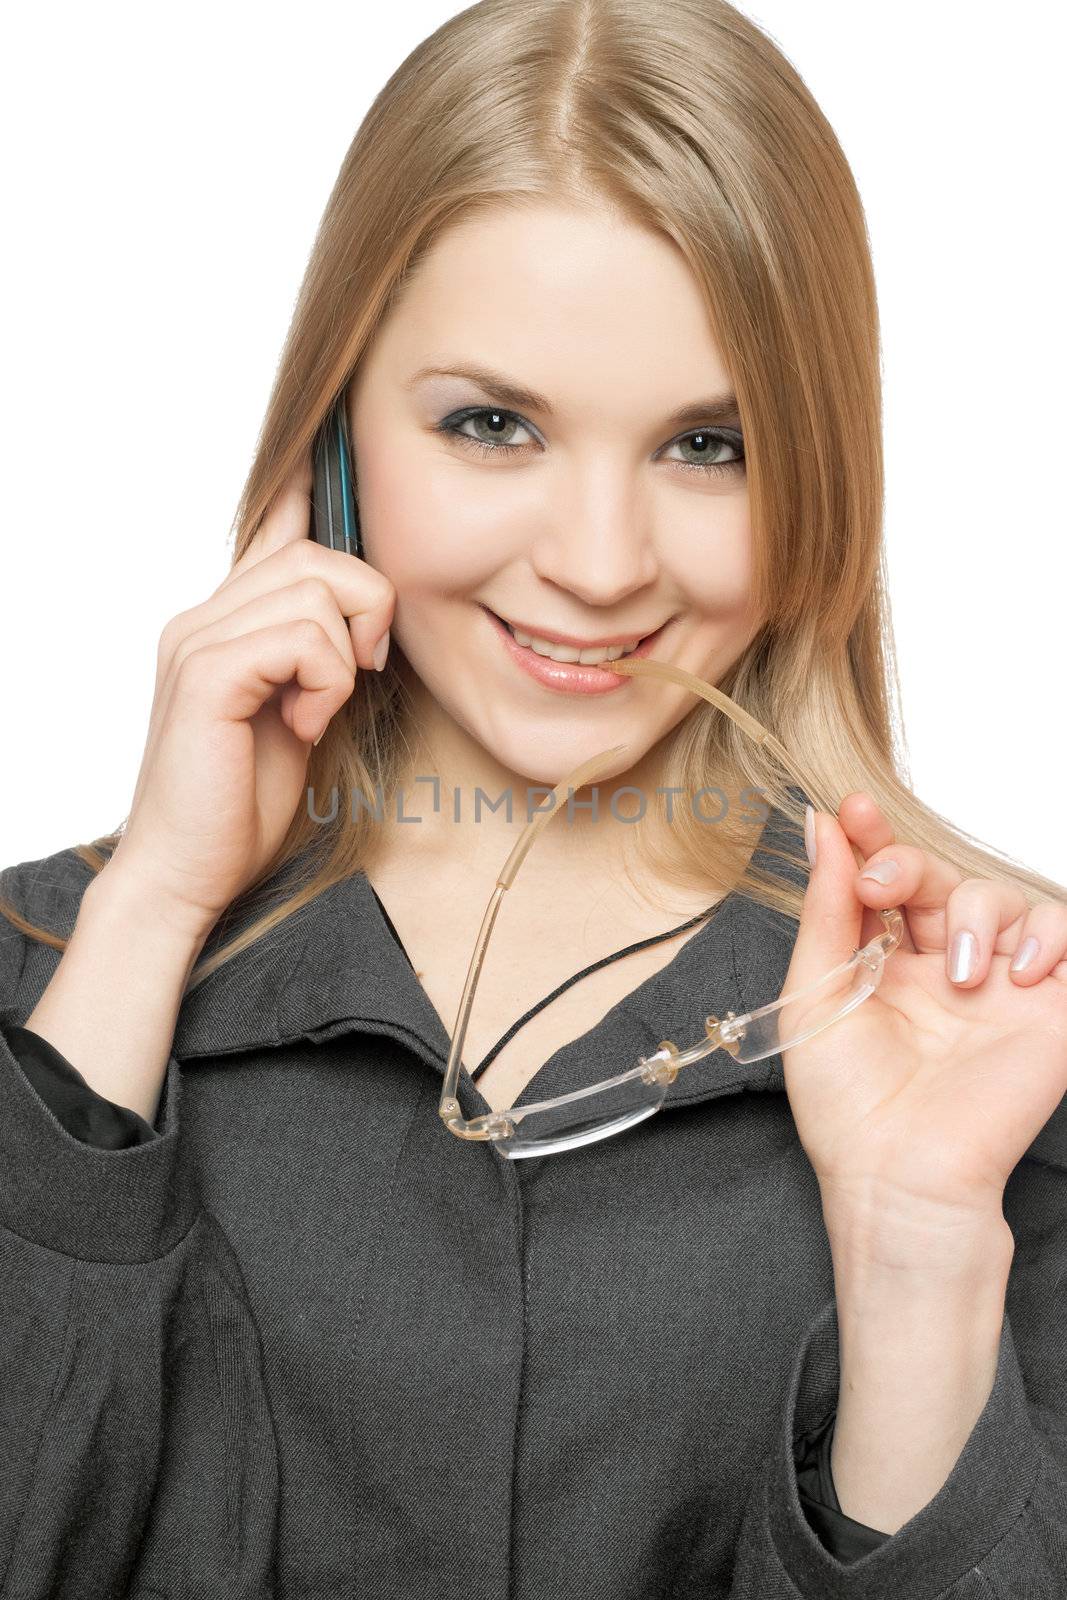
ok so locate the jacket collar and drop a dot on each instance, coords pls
(335, 967)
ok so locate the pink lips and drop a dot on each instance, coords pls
(568, 676)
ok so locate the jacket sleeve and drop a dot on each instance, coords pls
(998, 1525)
(137, 1445)
(843, 1536)
(84, 1113)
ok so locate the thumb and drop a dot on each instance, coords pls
(831, 918)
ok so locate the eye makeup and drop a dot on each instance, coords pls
(711, 439)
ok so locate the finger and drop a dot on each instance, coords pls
(919, 883)
(233, 679)
(869, 831)
(831, 916)
(364, 597)
(1039, 943)
(219, 619)
(868, 828)
(978, 912)
(998, 915)
(309, 598)
(287, 519)
(864, 821)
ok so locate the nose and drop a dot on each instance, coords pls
(598, 548)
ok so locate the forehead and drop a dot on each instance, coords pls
(566, 298)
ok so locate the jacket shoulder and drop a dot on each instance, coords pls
(47, 887)
(45, 892)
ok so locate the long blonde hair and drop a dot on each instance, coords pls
(688, 119)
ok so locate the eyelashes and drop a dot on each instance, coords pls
(713, 438)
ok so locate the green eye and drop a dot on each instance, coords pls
(499, 424)
(712, 441)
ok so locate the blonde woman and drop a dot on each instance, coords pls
(282, 1315)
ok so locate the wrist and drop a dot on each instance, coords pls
(121, 900)
(918, 1357)
(881, 1232)
(874, 1289)
(958, 1256)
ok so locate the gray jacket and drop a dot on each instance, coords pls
(308, 1345)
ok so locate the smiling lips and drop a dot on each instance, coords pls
(547, 643)
(563, 669)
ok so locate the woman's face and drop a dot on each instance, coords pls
(611, 516)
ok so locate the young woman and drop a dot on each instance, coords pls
(601, 312)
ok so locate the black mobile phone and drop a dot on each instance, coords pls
(334, 517)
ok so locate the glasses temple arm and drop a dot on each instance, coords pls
(575, 780)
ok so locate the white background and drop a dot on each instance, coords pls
(165, 170)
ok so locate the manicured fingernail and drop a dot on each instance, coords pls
(381, 650)
(1025, 954)
(882, 871)
(964, 956)
(809, 833)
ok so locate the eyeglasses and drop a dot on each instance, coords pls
(614, 1104)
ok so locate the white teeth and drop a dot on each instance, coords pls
(566, 652)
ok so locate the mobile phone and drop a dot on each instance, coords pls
(334, 517)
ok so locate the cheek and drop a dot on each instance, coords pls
(711, 559)
(422, 526)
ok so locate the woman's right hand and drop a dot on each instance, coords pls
(246, 682)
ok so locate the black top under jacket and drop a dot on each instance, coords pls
(301, 1341)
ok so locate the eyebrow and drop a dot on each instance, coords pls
(717, 408)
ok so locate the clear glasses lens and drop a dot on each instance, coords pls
(597, 1113)
(610, 1107)
(833, 996)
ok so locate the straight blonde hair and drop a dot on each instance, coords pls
(685, 118)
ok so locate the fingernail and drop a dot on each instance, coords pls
(964, 956)
(809, 833)
(1025, 954)
(314, 742)
(381, 650)
(882, 871)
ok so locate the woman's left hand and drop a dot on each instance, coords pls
(915, 1107)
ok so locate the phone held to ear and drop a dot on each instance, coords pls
(334, 517)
